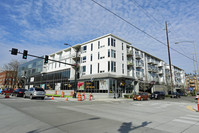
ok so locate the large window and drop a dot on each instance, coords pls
(90, 69)
(113, 53)
(122, 68)
(122, 56)
(108, 66)
(113, 66)
(84, 48)
(108, 52)
(108, 41)
(91, 57)
(112, 42)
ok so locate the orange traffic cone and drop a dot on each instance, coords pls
(67, 99)
(52, 98)
(129, 97)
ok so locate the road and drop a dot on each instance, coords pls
(21, 115)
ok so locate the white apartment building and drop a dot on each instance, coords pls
(111, 65)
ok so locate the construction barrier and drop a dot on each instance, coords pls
(62, 94)
(79, 97)
(55, 92)
(198, 103)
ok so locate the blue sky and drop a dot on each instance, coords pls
(43, 26)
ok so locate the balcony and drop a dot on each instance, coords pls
(155, 70)
(74, 55)
(138, 56)
(129, 52)
(160, 64)
(139, 65)
(150, 61)
(129, 63)
(160, 72)
(150, 69)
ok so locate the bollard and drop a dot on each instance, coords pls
(55, 92)
(90, 97)
(52, 98)
(79, 97)
(62, 94)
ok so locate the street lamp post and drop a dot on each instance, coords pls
(75, 87)
(195, 51)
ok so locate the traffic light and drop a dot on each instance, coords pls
(14, 51)
(25, 54)
(46, 59)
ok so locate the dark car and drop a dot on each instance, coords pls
(158, 95)
(7, 90)
(35, 93)
(18, 92)
(175, 95)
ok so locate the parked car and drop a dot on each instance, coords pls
(18, 92)
(174, 95)
(0, 90)
(141, 96)
(34, 93)
(7, 90)
(158, 95)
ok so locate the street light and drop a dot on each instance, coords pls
(75, 87)
(192, 42)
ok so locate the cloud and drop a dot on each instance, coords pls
(45, 24)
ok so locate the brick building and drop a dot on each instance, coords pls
(8, 79)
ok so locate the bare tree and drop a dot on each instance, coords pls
(12, 65)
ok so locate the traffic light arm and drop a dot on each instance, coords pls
(44, 58)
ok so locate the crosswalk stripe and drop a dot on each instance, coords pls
(190, 118)
(184, 121)
(193, 116)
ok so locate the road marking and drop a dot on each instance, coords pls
(190, 108)
(189, 118)
(193, 116)
(185, 121)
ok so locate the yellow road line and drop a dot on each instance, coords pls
(191, 108)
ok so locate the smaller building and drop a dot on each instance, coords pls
(8, 79)
(192, 83)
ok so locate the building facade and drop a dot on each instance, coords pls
(8, 79)
(108, 64)
(192, 84)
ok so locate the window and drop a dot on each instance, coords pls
(113, 53)
(108, 52)
(122, 56)
(122, 68)
(84, 59)
(112, 42)
(90, 69)
(98, 68)
(108, 66)
(91, 57)
(83, 68)
(122, 46)
(98, 55)
(91, 47)
(108, 41)
(113, 66)
(84, 48)
(98, 44)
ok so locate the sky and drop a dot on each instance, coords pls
(43, 26)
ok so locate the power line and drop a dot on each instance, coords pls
(147, 13)
(140, 29)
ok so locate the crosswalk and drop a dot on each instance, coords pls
(188, 119)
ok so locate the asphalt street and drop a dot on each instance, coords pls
(21, 115)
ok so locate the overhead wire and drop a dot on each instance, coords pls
(140, 29)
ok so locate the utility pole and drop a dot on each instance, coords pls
(196, 84)
(169, 56)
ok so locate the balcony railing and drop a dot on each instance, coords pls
(129, 52)
(138, 56)
(139, 65)
(130, 63)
